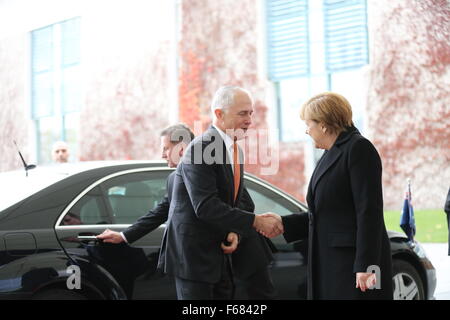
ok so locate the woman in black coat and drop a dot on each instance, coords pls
(347, 235)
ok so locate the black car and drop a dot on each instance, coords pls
(48, 219)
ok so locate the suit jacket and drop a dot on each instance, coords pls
(346, 231)
(203, 211)
(254, 251)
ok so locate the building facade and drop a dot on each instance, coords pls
(108, 76)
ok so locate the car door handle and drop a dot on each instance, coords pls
(83, 238)
(87, 238)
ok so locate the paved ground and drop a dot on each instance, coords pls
(438, 255)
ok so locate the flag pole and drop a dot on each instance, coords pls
(409, 188)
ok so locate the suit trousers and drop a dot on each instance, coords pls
(197, 290)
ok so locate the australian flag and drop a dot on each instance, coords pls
(407, 222)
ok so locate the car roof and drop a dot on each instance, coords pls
(17, 185)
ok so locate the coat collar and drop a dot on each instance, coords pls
(344, 136)
(331, 156)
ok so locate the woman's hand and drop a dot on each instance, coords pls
(365, 280)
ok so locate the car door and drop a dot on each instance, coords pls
(289, 267)
(115, 202)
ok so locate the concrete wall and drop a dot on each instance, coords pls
(126, 62)
(409, 98)
(14, 110)
(408, 113)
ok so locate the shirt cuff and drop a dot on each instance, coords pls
(123, 237)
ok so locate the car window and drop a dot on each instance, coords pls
(131, 196)
(90, 209)
(119, 200)
(267, 200)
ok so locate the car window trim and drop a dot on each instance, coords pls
(92, 186)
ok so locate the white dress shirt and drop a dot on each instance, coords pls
(228, 145)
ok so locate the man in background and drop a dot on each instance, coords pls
(60, 152)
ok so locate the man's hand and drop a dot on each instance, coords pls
(365, 280)
(268, 224)
(233, 239)
(110, 236)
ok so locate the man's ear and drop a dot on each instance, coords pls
(218, 113)
(182, 148)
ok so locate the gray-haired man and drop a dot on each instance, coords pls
(208, 191)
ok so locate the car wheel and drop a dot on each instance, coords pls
(58, 294)
(406, 282)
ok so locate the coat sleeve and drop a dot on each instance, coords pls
(447, 203)
(200, 181)
(246, 202)
(295, 226)
(152, 220)
(365, 170)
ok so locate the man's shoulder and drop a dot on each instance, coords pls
(171, 176)
(209, 136)
(207, 148)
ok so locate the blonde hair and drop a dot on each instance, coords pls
(330, 108)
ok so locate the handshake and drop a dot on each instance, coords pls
(269, 224)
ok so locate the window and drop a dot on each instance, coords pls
(315, 46)
(268, 201)
(131, 196)
(287, 39)
(119, 200)
(345, 34)
(56, 85)
(90, 209)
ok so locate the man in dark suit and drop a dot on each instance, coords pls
(207, 189)
(174, 141)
